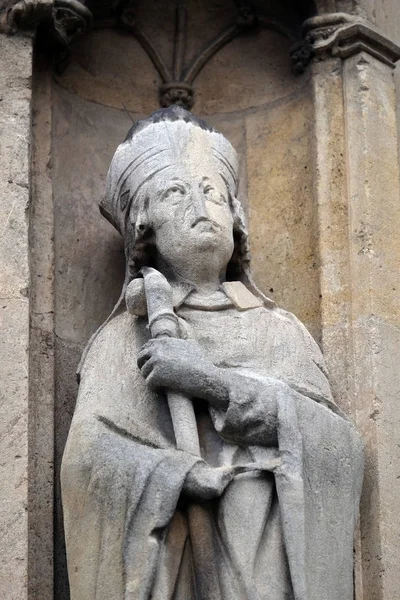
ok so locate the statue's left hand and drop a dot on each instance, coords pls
(176, 364)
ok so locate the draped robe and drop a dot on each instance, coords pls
(281, 532)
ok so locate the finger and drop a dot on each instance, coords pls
(148, 345)
(143, 356)
(147, 368)
(222, 477)
(223, 483)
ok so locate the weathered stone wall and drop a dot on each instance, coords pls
(41, 342)
(15, 99)
(382, 13)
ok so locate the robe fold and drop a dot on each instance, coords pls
(281, 532)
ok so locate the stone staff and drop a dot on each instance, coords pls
(163, 322)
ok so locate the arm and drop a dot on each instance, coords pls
(247, 400)
(243, 404)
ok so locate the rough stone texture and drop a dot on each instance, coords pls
(41, 343)
(384, 14)
(15, 96)
(257, 63)
(356, 178)
(88, 257)
(88, 254)
(281, 219)
(88, 284)
(331, 216)
(88, 104)
(91, 76)
(67, 356)
(373, 180)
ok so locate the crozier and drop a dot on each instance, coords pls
(207, 458)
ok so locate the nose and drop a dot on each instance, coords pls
(198, 206)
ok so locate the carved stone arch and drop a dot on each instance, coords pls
(59, 22)
(285, 17)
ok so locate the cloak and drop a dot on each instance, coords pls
(281, 532)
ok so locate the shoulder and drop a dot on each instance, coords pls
(284, 318)
(299, 334)
(114, 339)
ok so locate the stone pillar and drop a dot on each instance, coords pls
(357, 200)
(15, 101)
(26, 288)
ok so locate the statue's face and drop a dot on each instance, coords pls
(191, 216)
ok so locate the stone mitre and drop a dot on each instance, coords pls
(167, 138)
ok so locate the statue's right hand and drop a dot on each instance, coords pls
(204, 482)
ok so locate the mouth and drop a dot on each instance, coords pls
(206, 224)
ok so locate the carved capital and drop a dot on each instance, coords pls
(343, 35)
(59, 22)
(23, 14)
(70, 19)
(177, 92)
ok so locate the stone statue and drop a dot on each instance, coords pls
(211, 461)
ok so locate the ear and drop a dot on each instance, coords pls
(140, 229)
(141, 218)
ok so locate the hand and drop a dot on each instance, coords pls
(205, 483)
(175, 364)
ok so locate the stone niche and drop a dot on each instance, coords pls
(247, 90)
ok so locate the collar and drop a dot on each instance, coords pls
(230, 294)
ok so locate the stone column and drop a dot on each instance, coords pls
(357, 199)
(26, 288)
(15, 101)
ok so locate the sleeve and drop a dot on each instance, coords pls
(252, 415)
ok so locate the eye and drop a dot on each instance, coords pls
(214, 195)
(174, 190)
